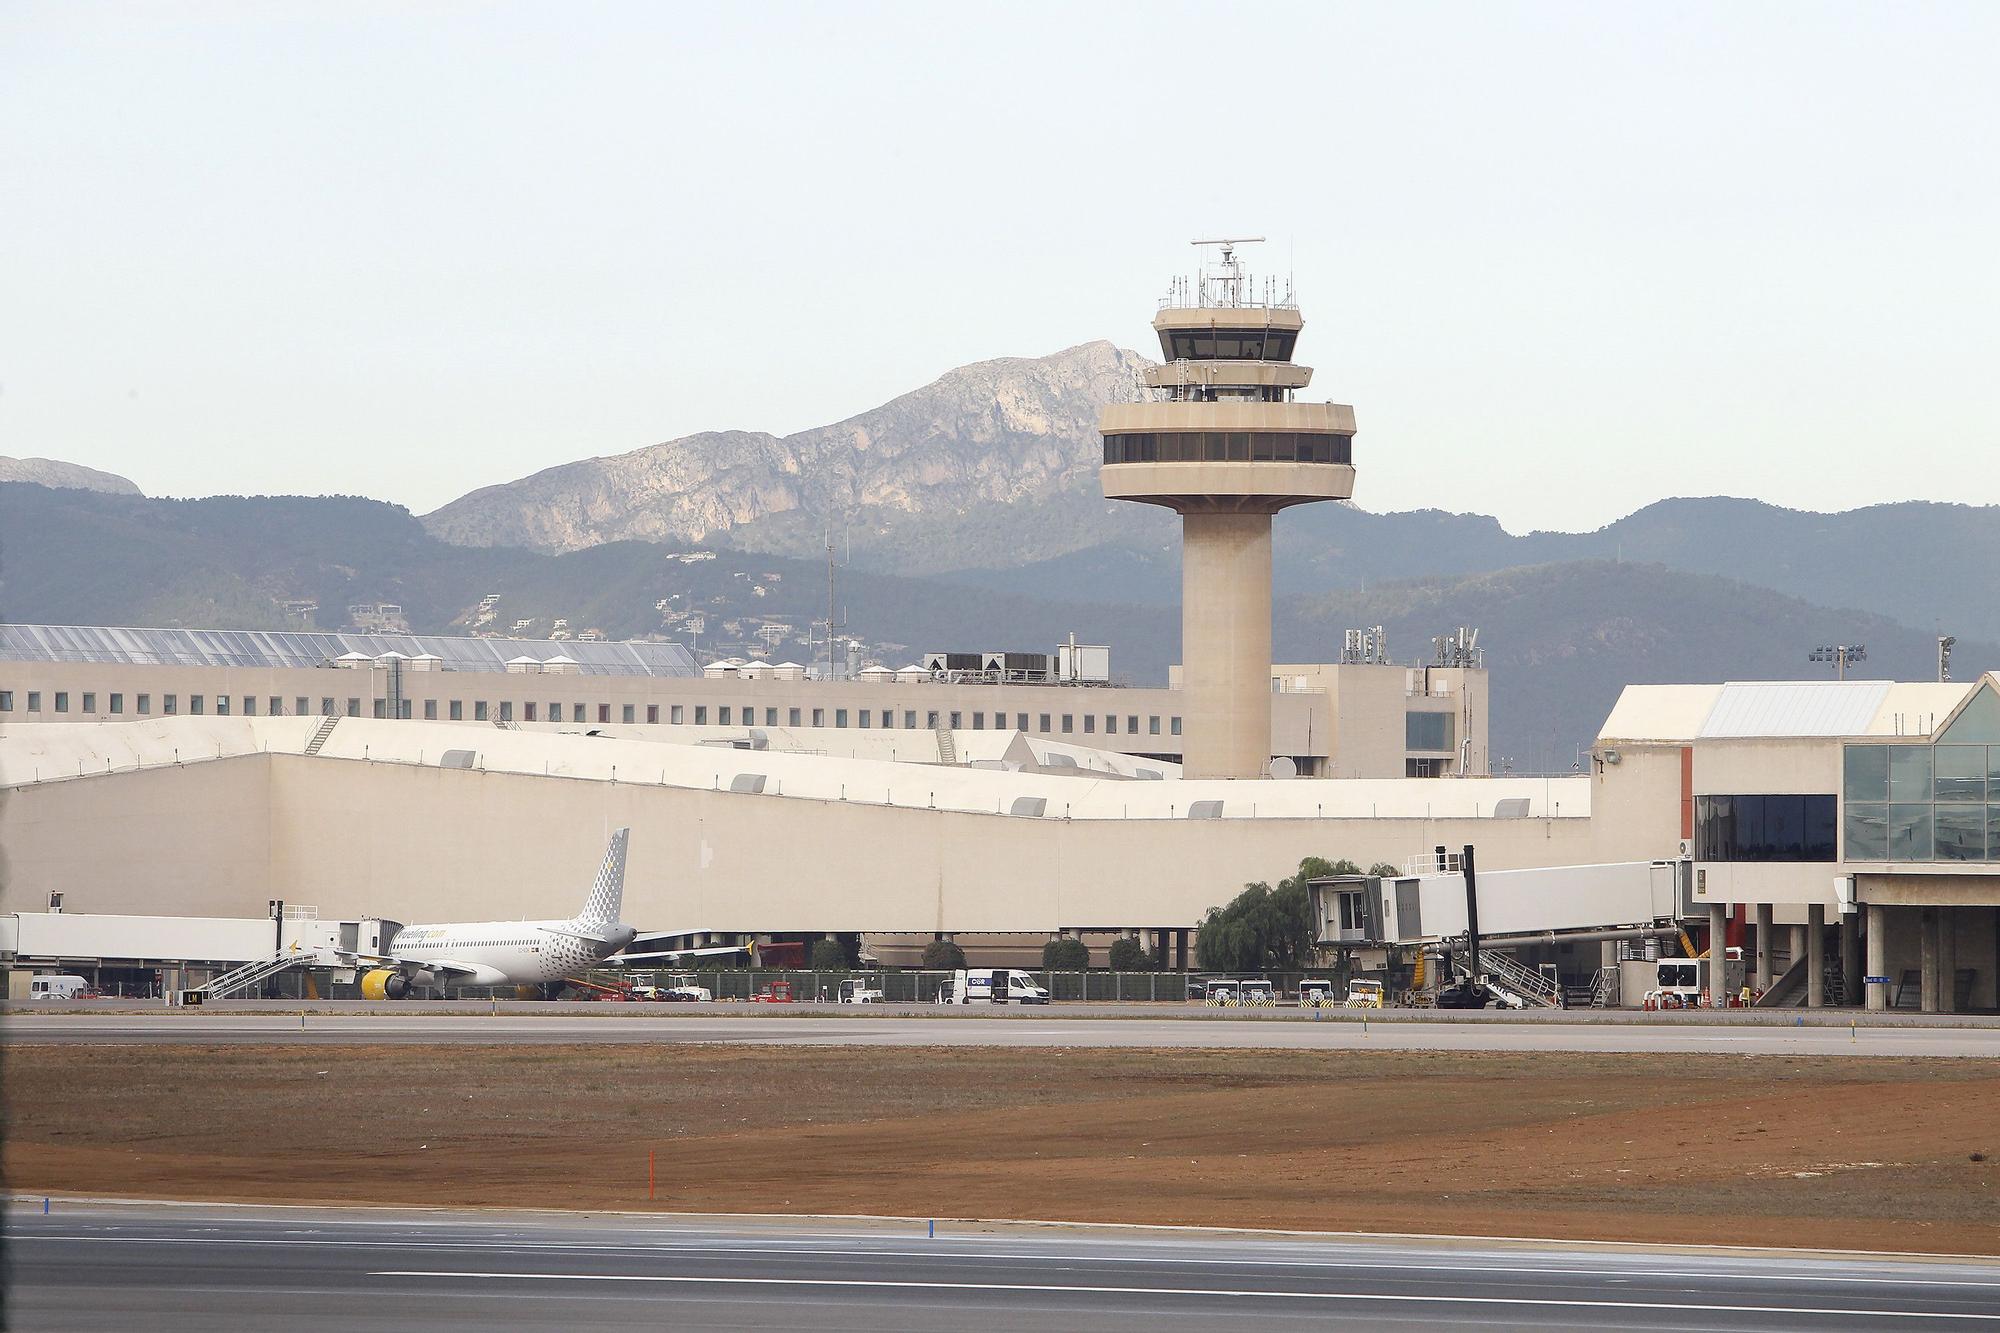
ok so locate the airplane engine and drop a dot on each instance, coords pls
(384, 983)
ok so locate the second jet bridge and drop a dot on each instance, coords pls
(1366, 911)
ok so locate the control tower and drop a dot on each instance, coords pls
(1225, 443)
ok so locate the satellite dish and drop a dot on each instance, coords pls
(1282, 768)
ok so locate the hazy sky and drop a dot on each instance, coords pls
(1563, 259)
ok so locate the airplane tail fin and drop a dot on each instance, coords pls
(607, 891)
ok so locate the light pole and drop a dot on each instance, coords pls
(1842, 656)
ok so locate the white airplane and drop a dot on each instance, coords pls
(507, 953)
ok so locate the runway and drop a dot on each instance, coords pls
(96, 1266)
(1669, 1035)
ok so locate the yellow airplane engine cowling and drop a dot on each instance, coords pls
(384, 983)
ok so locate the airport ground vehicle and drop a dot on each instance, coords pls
(580, 988)
(1316, 993)
(857, 990)
(992, 985)
(778, 992)
(1363, 995)
(681, 988)
(61, 986)
(1257, 994)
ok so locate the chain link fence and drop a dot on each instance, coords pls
(899, 987)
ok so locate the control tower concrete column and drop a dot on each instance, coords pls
(1225, 443)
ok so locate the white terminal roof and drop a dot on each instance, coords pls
(301, 648)
(52, 751)
(1781, 709)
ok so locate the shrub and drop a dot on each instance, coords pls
(1065, 956)
(828, 956)
(1127, 956)
(942, 956)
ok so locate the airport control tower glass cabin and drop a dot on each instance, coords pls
(1224, 442)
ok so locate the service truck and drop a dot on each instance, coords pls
(59, 987)
(992, 985)
(858, 990)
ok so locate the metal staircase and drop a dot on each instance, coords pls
(947, 747)
(252, 973)
(1530, 985)
(326, 726)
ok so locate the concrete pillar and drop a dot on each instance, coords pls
(1181, 950)
(1850, 957)
(1927, 953)
(1947, 987)
(1718, 956)
(1878, 956)
(1815, 956)
(1226, 644)
(1797, 947)
(1762, 977)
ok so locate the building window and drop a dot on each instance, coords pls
(1921, 802)
(1068, 723)
(326, 707)
(144, 705)
(791, 717)
(957, 721)
(1764, 828)
(479, 710)
(675, 714)
(863, 719)
(221, 704)
(1132, 725)
(604, 712)
(528, 711)
(1020, 721)
(507, 710)
(1090, 724)
(909, 719)
(430, 710)
(1423, 768)
(979, 721)
(62, 702)
(1111, 724)
(555, 711)
(1428, 731)
(380, 707)
(249, 705)
(652, 715)
(117, 704)
(170, 704)
(457, 710)
(1152, 726)
(819, 717)
(840, 717)
(626, 713)
(770, 717)
(722, 715)
(90, 701)
(195, 704)
(303, 707)
(1173, 726)
(7, 701)
(1044, 728)
(579, 712)
(701, 715)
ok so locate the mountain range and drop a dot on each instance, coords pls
(971, 515)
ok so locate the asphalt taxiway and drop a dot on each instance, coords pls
(239, 1027)
(90, 1266)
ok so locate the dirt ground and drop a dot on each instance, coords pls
(1866, 1154)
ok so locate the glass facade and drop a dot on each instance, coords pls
(1228, 446)
(1764, 828)
(1428, 731)
(1921, 802)
(1232, 344)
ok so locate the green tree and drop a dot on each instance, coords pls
(1383, 870)
(1265, 928)
(828, 956)
(1065, 955)
(942, 956)
(1125, 955)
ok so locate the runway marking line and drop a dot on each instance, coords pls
(943, 1253)
(1539, 1302)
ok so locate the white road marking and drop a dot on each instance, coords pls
(1240, 1293)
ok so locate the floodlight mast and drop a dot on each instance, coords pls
(1842, 655)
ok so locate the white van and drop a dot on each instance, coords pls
(59, 988)
(992, 985)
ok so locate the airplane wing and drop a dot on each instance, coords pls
(581, 935)
(620, 959)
